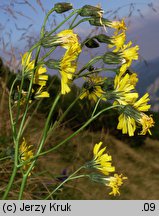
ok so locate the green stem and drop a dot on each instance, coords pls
(81, 21)
(10, 110)
(24, 180)
(10, 183)
(73, 21)
(4, 158)
(89, 73)
(66, 19)
(96, 106)
(47, 54)
(14, 139)
(92, 61)
(69, 178)
(79, 176)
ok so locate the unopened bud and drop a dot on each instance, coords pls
(111, 58)
(108, 84)
(102, 38)
(89, 10)
(99, 22)
(91, 43)
(62, 7)
(50, 41)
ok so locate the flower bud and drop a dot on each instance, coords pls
(102, 38)
(99, 22)
(91, 43)
(108, 84)
(50, 41)
(62, 7)
(111, 58)
(53, 64)
(89, 10)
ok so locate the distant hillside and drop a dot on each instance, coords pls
(148, 72)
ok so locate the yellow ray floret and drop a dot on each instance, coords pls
(115, 182)
(127, 124)
(39, 76)
(128, 54)
(68, 63)
(118, 26)
(117, 41)
(124, 90)
(102, 161)
(67, 38)
(26, 153)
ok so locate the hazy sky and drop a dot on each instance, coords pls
(143, 30)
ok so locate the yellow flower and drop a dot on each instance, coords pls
(26, 153)
(67, 38)
(26, 59)
(39, 77)
(118, 25)
(115, 182)
(40, 93)
(102, 161)
(68, 63)
(68, 67)
(118, 41)
(123, 90)
(135, 114)
(127, 124)
(141, 104)
(128, 54)
(93, 89)
(133, 79)
(147, 122)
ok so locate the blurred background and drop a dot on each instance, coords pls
(136, 157)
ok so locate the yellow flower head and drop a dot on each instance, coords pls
(117, 41)
(102, 161)
(40, 93)
(128, 54)
(26, 153)
(127, 124)
(68, 63)
(133, 79)
(93, 88)
(124, 90)
(67, 38)
(39, 76)
(26, 63)
(68, 67)
(135, 114)
(141, 105)
(147, 122)
(115, 182)
(118, 25)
